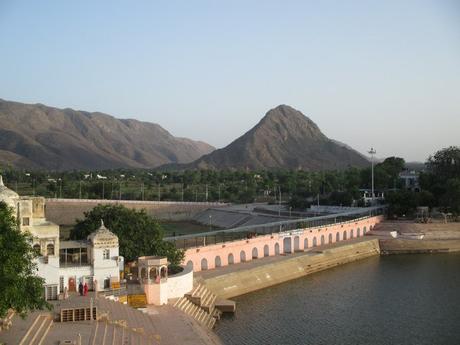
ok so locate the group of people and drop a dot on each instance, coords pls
(83, 289)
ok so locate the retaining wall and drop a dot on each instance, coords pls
(66, 211)
(223, 254)
(408, 246)
(259, 277)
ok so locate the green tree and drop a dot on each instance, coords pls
(138, 233)
(20, 288)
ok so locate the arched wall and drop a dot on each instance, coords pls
(195, 255)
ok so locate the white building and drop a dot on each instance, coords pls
(64, 264)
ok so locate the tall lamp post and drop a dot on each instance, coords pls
(372, 152)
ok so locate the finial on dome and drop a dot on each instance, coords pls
(102, 223)
(1, 181)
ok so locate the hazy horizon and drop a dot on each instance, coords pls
(376, 74)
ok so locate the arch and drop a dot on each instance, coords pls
(255, 253)
(143, 273)
(277, 249)
(287, 245)
(322, 240)
(337, 236)
(364, 230)
(330, 239)
(242, 256)
(352, 235)
(266, 250)
(231, 259)
(153, 273)
(344, 237)
(204, 264)
(163, 272)
(314, 241)
(50, 249)
(305, 243)
(37, 249)
(190, 264)
(217, 261)
(358, 232)
(296, 244)
(370, 228)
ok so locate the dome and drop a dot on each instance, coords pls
(7, 195)
(103, 237)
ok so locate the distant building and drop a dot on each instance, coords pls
(379, 196)
(410, 180)
(64, 264)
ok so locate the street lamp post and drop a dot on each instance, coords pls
(372, 152)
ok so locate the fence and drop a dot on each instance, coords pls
(245, 232)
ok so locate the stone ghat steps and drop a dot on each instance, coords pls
(37, 332)
(200, 304)
(108, 333)
(191, 309)
(133, 319)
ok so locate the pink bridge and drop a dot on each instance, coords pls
(223, 254)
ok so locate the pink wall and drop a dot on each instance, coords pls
(206, 256)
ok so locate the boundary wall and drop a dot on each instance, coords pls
(223, 254)
(66, 211)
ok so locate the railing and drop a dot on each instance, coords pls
(246, 232)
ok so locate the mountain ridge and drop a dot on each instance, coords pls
(39, 136)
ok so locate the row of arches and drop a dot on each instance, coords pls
(287, 247)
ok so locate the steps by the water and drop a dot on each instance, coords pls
(107, 333)
(38, 330)
(200, 304)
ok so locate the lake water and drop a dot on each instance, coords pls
(400, 299)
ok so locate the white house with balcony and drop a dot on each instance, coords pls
(64, 264)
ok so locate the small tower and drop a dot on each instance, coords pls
(104, 256)
(153, 277)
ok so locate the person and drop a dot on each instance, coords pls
(96, 288)
(80, 288)
(85, 289)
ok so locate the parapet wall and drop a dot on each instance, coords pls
(248, 280)
(66, 211)
(223, 254)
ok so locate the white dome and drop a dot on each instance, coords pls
(7, 195)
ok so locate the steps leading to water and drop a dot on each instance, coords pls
(108, 333)
(37, 332)
(200, 304)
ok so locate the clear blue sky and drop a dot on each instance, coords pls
(369, 73)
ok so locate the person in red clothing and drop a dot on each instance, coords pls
(85, 289)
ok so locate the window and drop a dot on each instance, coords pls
(25, 221)
(37, 249)
(106, 254)
(50, 249)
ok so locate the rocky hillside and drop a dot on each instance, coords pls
(37, 136)
(283, 139)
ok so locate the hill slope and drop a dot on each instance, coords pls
(284, 138)
(37, 136)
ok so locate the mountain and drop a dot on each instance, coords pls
(38, 136)
(283, 139)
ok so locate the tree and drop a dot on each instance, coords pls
(138, 233)
(20, 288)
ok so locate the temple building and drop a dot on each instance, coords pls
(64, 264)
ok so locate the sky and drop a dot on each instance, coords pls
(382, 74)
